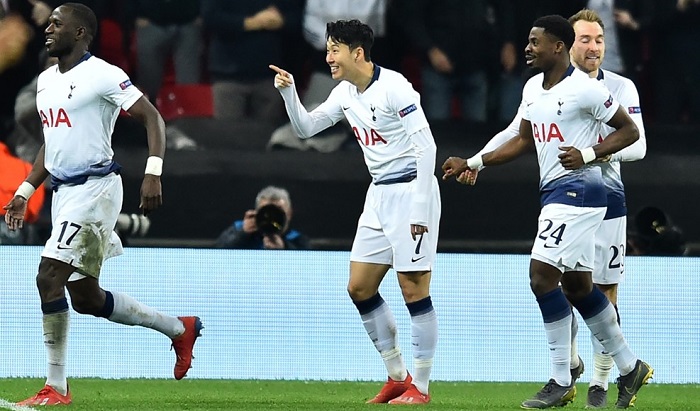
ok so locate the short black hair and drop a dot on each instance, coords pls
(85, 17)
(557, 26)
(354, 33)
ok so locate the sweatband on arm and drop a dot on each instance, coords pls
(25, 190)
(588, 155)
(154, 165)
(476, 162)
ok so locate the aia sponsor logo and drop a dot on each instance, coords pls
(545, 133)
(54, 118)
(368, 138)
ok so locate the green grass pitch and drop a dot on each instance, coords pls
(209, 395)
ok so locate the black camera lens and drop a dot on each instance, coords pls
(270, 219)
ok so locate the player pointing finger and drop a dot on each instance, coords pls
(282, 79)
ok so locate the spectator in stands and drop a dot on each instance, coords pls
(25, 21)
(457, 41)
(27, 137)
(514, 18)
(267, 226)
(13, 171)
(165, 28)
(244, 37)
(316, 14)
(624, 22)
(18, 63)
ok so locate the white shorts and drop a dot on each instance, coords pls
(565, 236)
(610, 247)
(384, 232)
(83, 219)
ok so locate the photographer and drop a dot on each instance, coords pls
(266, 227)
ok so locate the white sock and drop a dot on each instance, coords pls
(559, 342)
(56, 343)
(574, 346)
(128, 311)
(424, 335)
(602, 365)
(381, 328)
(605, 328)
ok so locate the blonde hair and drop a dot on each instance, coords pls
(587, 15)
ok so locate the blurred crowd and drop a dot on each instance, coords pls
(465, 57)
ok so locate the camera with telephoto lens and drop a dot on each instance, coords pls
(270, 219)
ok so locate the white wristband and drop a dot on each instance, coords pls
(154, 166)
(475, 163)
(25, 190)
(588, 155)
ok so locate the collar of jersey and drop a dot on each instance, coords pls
(600, 75)
(375, 75)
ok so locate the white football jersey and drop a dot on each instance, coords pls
(569, 114)
(78, 110)
(625, 92)
(382, 119)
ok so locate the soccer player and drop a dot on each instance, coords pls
(78, 101)
(399, 224)
(562, 114)
(587, 54)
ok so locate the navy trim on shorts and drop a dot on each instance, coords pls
(578, 189)
(406, 178)
(617, 205)
(95, 171)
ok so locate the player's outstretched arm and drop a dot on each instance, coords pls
(16, 208)
(305, 124)
(151, 188)
(512, 149)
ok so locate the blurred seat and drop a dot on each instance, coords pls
(185, 100)
(112, 50)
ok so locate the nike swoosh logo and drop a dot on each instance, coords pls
(346, 108)
(63, 248)
(413, 260)
(39, 91)
(550, 246)
(529, 104)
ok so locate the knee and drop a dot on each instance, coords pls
(539, 285)
(83, 305)
(412, 292)
(359, 292)
(48, 280)
(574, 295)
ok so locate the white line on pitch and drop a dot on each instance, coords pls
(4, 404)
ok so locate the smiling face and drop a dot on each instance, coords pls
(589, 47)
(61, 33)
(340, 59)
(541, 49)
